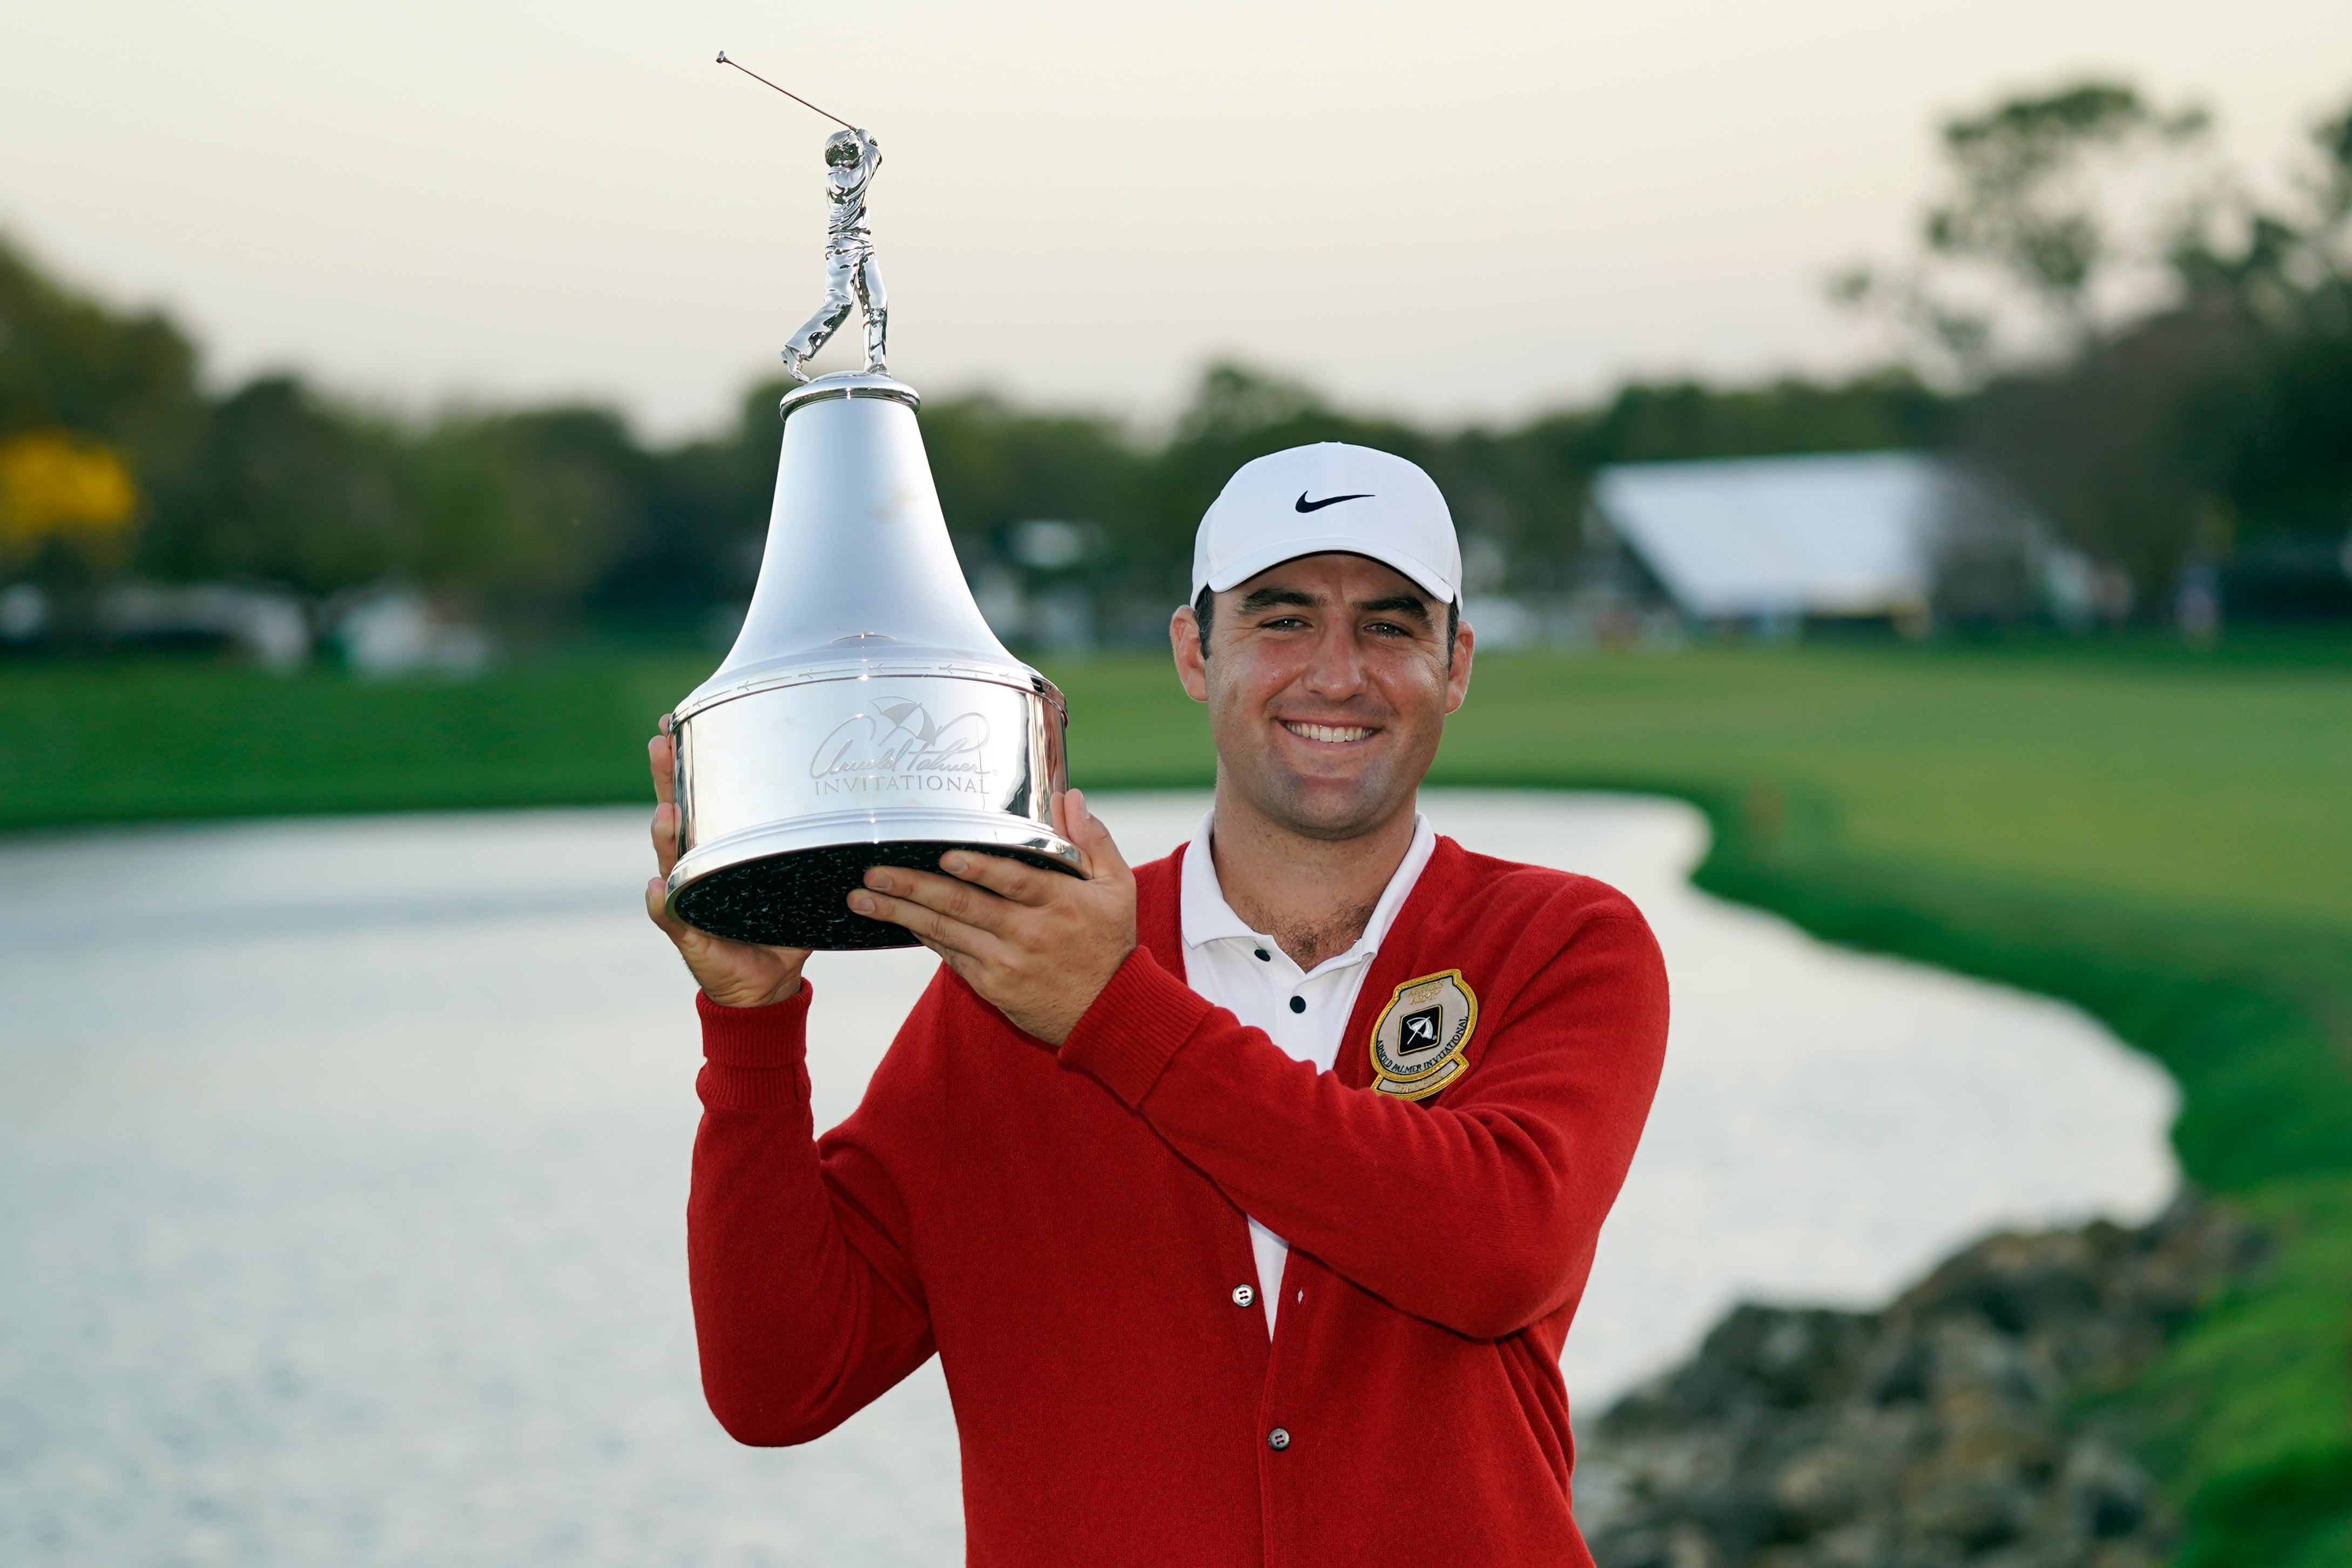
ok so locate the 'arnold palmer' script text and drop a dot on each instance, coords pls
(897, 746)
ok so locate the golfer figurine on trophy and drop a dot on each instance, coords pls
(851, 157)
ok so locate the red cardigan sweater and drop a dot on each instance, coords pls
(1066, 1231)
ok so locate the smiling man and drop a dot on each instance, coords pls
(1246, 1196)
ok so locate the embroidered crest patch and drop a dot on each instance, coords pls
(1419, 1038)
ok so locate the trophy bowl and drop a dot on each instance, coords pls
(787, 792)
(866, 715)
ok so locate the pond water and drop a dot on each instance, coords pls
(342, 1165)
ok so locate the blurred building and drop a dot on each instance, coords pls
(262, 624)
(1772, 544)
(397, 630)
(1036, 591)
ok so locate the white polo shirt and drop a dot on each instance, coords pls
(1305, 1012)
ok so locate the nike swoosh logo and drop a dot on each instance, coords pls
(1304, 504)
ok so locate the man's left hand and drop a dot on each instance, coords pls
(1039, 946)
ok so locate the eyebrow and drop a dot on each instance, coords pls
(1267, 598)
(1409, 603)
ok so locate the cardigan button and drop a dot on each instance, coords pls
(1244, 1296)
(1278, 1439)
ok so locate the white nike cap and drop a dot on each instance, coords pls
(1328, 496)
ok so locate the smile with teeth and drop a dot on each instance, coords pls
(1336, 733)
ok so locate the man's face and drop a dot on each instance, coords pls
(1327, 685)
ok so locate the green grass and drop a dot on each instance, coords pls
(160, 740)
(2214, 788)
(2161, 836)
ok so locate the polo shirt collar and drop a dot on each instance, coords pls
(1207, 918)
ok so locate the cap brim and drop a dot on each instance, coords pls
(1241, 568)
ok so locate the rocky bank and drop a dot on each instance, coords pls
(1950, 1429)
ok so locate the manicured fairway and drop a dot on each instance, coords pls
(159, 741)
(2214, 786)
(2222, 785)
(2162, 836)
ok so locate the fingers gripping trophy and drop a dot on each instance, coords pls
(851, 277)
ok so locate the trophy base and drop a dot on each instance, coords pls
(800, 899)
(787, 885)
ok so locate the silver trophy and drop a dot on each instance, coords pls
(866, 716)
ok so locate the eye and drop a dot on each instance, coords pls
(1388, 629)
(1282, 623)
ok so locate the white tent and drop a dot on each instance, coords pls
(1844, 534)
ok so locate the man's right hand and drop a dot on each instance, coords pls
(732, 974)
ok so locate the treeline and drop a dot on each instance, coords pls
(532, 517)
(2205, 422)
(542, 519)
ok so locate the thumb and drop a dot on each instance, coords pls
(657, 907)
(1104, 863)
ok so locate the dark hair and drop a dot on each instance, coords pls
(1204, 610)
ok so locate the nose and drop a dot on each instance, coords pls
(1336, 670)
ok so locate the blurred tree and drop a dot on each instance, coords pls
(2289, 281)
(2049, 198)
(526, 513)
(288, 490)
(2126, 447)
(96, 409)
(67, 361)
(1651, 422)
(998, 466)
(67, 489)
(702, 517)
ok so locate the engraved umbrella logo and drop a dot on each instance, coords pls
(897, 744)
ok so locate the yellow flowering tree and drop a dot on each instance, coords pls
(56, 484)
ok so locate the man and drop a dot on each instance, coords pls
(1245, 1196)
(851, 274)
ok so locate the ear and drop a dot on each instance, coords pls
(1457, 679)
(1184, 642)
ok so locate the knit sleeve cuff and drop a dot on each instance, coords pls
(754, 1057)
(1135, 1028)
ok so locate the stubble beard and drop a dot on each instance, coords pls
(1330, 812)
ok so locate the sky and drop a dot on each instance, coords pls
(1469, 210)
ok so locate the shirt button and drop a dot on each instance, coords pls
(1244, 1296)
(1278, 1439)
(1263, 956)
(1298, 1004)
